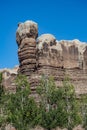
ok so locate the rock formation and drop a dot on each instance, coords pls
(26, 38)
(46, 55)
(8, 78)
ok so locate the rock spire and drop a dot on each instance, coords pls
(26, 35)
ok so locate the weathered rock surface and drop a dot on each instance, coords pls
(46, 55)
(26, 38)
(61, 58)
(8, 77)
(26, 29)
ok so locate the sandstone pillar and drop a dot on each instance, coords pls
(26, 35)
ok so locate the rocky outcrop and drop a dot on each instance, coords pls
(61, 58)
(49, 51)
(85, 58)
(46, 55)
(9, 76)
(73, 53)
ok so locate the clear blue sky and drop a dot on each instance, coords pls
(65, 19)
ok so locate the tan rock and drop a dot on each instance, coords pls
(27, 29)
(26, 38)
(48, 56)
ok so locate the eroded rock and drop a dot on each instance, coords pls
(27, 29)
(46, 55)
(26, 35)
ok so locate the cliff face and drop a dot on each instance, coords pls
(46, 55)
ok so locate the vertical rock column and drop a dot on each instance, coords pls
(26, 39)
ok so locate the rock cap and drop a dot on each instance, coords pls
(27, 29)
(45, 38)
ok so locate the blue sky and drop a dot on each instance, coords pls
(65, 19)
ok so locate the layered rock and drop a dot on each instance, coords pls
(50, 57)
(46, 55)
(64, 53)
(73, 53)
(9, 76)
(49, 51)
(85, 58)
(26, 38)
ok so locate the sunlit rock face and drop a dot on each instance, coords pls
(72, 52)
(49, 51)
(9, 76)
(46, 55)
(64, 53)
(49, 56)
(26, 35)
(85, 58)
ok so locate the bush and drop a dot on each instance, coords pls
(22, 110)
(58, 105)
